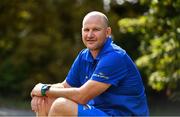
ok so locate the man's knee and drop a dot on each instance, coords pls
(59, 103)
(64, 106)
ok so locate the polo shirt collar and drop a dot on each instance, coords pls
(106, 48)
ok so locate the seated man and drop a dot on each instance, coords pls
(103, 80)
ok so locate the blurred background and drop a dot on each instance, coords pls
(39, 39)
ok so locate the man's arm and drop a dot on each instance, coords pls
(80, 95)
(36, 92)
(64, 84)
(42, 104)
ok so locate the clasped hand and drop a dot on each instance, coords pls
(37, 90)
(37, 102)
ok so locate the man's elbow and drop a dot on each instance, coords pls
(81, 98)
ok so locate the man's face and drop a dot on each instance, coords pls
(94, 32)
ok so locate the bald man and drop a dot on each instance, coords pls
(103, 80)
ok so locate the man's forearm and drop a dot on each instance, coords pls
(57, 85)
(69, 93)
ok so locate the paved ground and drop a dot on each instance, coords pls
(4, 112)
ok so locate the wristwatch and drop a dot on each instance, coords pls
(44, 88)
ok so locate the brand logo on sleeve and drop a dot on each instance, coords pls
(101, 75)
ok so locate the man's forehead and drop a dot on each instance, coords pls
(92, 26)
(93, 23)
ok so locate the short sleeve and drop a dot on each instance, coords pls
(73, 76)
(111, 69)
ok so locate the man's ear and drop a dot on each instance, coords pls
(108, 31)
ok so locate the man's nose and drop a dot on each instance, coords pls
(90, 34)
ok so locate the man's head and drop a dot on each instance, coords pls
(95, 30)
(96, 13)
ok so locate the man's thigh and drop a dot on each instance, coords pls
(86, 110)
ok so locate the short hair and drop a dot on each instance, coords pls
(97, 13)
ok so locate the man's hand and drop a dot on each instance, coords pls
(41, 105)
(37, 90)
(36, 103)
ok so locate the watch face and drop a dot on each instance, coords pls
(44, 89)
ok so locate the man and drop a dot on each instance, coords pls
(103, 80)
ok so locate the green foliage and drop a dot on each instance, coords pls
(39, 39)
(158, 30)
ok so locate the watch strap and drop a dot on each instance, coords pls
(44, 88)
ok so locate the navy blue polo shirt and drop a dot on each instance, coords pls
(126, 95)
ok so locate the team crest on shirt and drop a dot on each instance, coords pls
(101, 75)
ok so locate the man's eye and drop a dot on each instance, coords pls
(86, 30)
